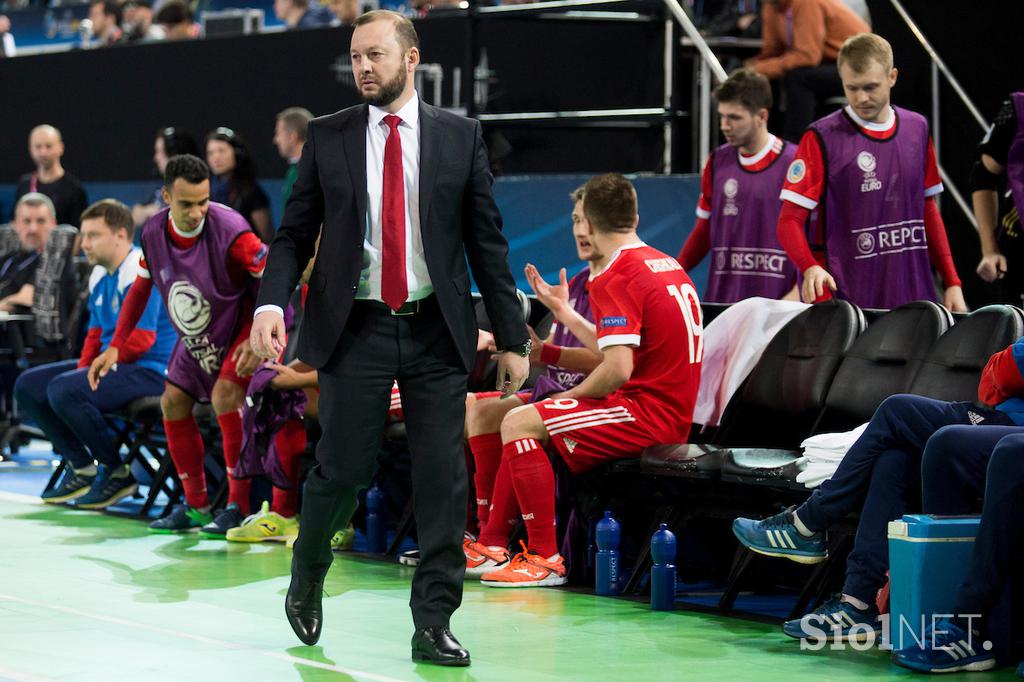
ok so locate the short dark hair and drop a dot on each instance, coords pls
(173, 12)
(577, 194)
(191, 169)
(747, 88)
(116, 215)
(609, 203)
(405, 32)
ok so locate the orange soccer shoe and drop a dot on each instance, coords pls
(482, 559)
(527, 570)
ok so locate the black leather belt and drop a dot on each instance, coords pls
(408, 308)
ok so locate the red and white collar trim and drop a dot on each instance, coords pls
(758, 157)
(618, 251)
(182, 233)
(871, 125)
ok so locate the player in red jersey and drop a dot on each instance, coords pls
(643, 392)
(860, 168)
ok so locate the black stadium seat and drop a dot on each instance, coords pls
(953, 367)
(785, 392)
(781, 399)
(881, 362)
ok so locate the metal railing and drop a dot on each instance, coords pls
(938, 68)
(709, 66)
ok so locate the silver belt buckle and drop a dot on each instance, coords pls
(415, 309)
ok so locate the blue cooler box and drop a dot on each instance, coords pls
(928, 558)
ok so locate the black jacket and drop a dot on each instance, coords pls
(459, 221)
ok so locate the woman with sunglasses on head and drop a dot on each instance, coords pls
(234, 180)
(170, 141)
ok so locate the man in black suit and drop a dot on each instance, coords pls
(403, 191)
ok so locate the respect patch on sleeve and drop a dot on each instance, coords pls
(614, 321)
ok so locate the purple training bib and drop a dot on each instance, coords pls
(875, 238)
(746, 257)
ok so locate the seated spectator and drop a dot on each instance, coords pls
(344, 11)
(169, 142)
(57, 396)
(105, 16)
(880, 477)
(205, 262)
(138, 23)
(33, 223)
(7, 45)
(567, 362)
(958, 643)
(641, 394)
(1000, 167)
(289, 138)
(738, 208)
(801, 42)
(175, 18)
(234, 180)
(46, 146)
(301, 13)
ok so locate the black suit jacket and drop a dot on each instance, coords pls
(459, 221)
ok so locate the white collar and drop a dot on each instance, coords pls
(188, 235)
(871, 125)
(410, 113)
(759, 156)
(618, 252)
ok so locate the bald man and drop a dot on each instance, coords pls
(46, 146)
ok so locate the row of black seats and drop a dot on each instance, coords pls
(828, 371)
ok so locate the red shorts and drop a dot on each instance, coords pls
(589, 431)
(395, 413)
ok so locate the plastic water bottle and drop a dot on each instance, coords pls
(607, 573)
(663, 572)
(376, 527)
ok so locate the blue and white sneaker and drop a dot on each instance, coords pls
(182, 519)
(72, 485)
(948, 648)
(227, 518)
(108, 488)
(838, 621)
(777, 536)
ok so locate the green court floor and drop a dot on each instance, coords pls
(85, 596)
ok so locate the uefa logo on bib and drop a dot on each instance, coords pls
(731, 187)
(866, 243)
(720, 260)
(866, 162)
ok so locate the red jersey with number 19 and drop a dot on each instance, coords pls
(644, 299)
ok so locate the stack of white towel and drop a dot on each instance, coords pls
(823, 453)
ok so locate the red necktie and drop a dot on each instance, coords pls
(394, 288)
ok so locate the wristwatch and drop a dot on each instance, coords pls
(522, 349)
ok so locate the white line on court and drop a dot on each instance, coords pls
(18, 497)
(197, 638)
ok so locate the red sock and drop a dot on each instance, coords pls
(187, 452)
(231, 432)
(291, 443)
(487, 456)
(534, 482)
(504, 512)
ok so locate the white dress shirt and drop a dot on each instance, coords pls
(377, 131)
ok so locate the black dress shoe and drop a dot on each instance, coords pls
(303, 608)
(438, 645)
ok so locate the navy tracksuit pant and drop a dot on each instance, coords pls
(962, 466)
(880, 477)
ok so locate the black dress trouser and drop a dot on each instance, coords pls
(376, 348)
